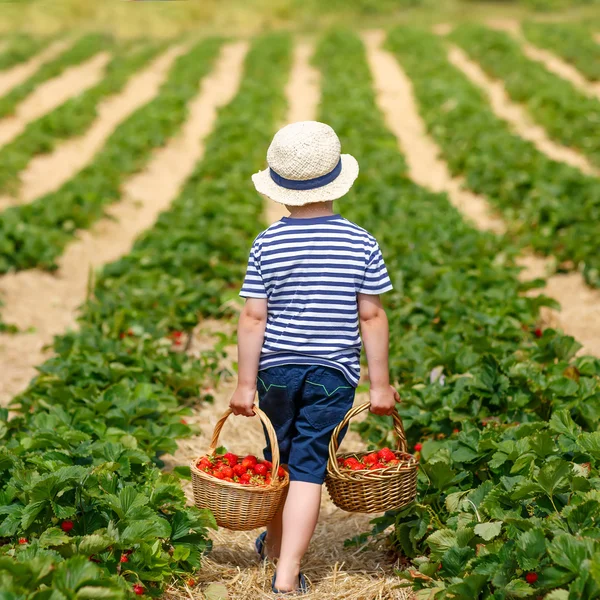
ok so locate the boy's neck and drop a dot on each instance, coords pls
(314, 209)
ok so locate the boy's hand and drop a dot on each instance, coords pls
(242, 401)
(383, 400)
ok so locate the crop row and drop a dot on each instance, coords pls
(509, 486)
(91, 425)
(34, 235)
(549, 205)
(74, 116)
(19, 48)
(570, 41)
(83, 49)
(569, 116)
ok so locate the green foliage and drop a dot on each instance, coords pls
(35, 234)
(21, 47)
(81, 50)
(569, 116)
(87, 436)
(509, 480)
(548, 205)
(572, 42)
(74, 116)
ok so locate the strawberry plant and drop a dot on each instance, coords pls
(83, 49)
(506, 422)
(548, 205)
(35, 234)
(567, 114)
(85, 441)
(74, 116)
(21, 47)
(571, 41)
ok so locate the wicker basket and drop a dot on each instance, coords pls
(236, 506)
(371, 491)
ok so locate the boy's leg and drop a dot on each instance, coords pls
(300, 515)
(326, 398)
(274, 529)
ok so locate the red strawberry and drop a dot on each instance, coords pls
(378, 465)
(260, 469)
(418, 447)
(538, 334)
(22, 540)
(191, 582)
(231, 459)
(66, 526)
(281, 472)
(183, 421)
(248, 462)
(531, 577)
(204, 463)
(357, 466)
(239, 470)
(245, 479)
(227, 472)
(371, 459)
(385, 454)
(350, 461)
(218, 475)
(138, 590)
(456, 431)
(268, 464)
(124, 558)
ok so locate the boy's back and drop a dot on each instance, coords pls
(311, 270)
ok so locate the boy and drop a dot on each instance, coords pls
(311, 278)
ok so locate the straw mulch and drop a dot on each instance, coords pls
(333, 571)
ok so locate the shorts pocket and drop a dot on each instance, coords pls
(274, 400)
(324, 410)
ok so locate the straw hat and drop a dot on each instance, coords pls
(305, 165)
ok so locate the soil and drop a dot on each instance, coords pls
(46, 97)
(580, 313)
(48, 302)
(16, 75)
(516, 115)
(47, 172)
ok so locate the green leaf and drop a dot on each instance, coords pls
(553, 475)
(183, 472)
(568, 552)
(557, 595)
(517, 588)
(561, 422)
(442, 540)
(488, 531)
(531, 547)
(54, 537)
(94, 543)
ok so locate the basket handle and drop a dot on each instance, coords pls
(270, 432)
(334, 444)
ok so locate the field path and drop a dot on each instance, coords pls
(51, 94)
(48, 302)
(16, 75)
(516, 115)
(551, 61)
(47, 172)
(580, 314)
(334, 571)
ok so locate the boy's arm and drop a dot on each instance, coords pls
(251, 332)
(375, 334)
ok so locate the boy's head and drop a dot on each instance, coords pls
(305, 166)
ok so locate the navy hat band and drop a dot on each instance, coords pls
(307, 184)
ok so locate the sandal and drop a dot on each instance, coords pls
(302, 586)
(260, 545)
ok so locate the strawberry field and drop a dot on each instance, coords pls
(499, 403)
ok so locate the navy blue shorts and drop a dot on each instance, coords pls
(304, 404)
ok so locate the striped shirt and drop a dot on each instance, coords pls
(310, 271)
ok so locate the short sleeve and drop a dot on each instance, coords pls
(376, 279)
(253, 286)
